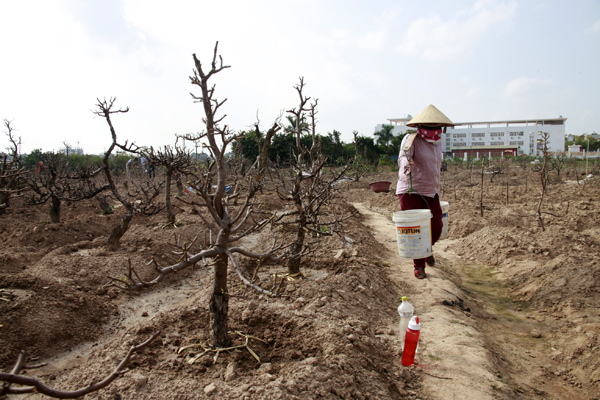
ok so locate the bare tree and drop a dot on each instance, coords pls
(558, 162)
(225, 223)
(497, 166)
(105, 109)
(595, 167)
(176, 161)
(542, 170)
(357, 160)
(307, 189)
(59, 182)
(11, 171)
(264, 144)
(35, 385)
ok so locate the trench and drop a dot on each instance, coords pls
(507, 326)
(483, 281)
(133, 308)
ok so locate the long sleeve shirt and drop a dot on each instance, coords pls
(426, 174)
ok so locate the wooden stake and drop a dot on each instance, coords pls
(481, 192)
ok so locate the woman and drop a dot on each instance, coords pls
(419, 173)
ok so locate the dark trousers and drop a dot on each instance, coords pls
(416, 202)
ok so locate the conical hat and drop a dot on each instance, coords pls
(430, 115)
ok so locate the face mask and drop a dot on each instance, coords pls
(430, 135)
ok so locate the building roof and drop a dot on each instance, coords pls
(401, 119)
(544, 121)
(503, 146)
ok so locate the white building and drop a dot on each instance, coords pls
(71, 150)
(526, 134)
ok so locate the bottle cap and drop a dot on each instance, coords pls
(414, 324)
(404, 298)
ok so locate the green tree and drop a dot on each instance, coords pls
(281, 146)
(385, 134)
(338, 145)
(247, 145)
(31, 160)
(397, 142)
(367, 148)
(582, 140)
(291, 128)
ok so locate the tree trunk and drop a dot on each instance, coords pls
(3, 202)
(263, 155)
(168, 207)
(55, 210)
(293, 263)
(104, 206)
(219, 304)
(179, 185)
(118, 232)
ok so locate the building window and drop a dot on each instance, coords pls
(495, 134)
(462, 144)
(455, 135)
(517, 133)
(520, 143)
(478, 144)
(478, 134)
(496, 143)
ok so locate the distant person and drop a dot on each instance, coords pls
(129, 166)
(423, 163)
(151, 171)
(40, 168)
(144, 162)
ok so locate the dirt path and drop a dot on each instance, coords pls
(498, 349)
(452, 351)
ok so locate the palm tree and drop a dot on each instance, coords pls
(291, 128)
(385, 135)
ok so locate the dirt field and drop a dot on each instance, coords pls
(524, 324)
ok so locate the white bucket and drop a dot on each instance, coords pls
(413, 231)
(445, 208)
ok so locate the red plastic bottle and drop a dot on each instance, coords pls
(411, 341)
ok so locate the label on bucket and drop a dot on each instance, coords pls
(409, 230)
(414, 241)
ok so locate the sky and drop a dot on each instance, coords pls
(365, 62)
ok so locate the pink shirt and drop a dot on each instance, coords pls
(426, 173)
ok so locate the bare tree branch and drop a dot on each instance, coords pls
(36, 385)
